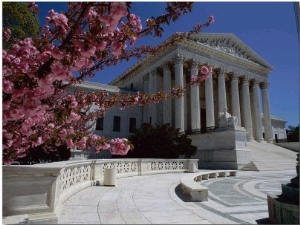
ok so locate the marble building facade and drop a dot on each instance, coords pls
(240, 83)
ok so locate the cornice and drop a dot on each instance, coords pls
(96, 86)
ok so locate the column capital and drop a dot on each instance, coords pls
(264, 85)
(166, 66)
(235, 77)
(194, 64)
(255, 82)
(224, 70)
(178, 59)
(146, 77)
(245, 79)
(222, 73)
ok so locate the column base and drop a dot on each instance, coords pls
(260, 140)
(250, 139)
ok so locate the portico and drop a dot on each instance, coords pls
(239, 78)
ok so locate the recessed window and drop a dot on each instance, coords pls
(99, 124)
(131, 86)
(132, 125)
(117, 123)
(150, 120)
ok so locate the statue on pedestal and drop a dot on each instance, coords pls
(226, 120)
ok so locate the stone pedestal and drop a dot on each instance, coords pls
(284, 208)
(224, 149)
(110, 177)
(193, 166)
(79, 155)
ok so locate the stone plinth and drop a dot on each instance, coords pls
(224, 149)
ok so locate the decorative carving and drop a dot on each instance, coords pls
(235, 77)
(246, 79)
(178, 59)
(194, 64)
(161, 165)
(146, 77)
(167, 66)
(228, 46)
(264, 85)
(255, 82)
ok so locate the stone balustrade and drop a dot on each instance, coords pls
(42, 188)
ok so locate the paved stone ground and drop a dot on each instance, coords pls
(157, 199)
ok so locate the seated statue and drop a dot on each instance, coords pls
(226, 120)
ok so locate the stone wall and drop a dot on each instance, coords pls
(222, 149)
(295, 146)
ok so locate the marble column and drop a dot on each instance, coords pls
(266, 112)
(152, 89)
(145, 108)
(167, 110)
(257, 114)
(179, 102)
(195, 101)
(252, 110)
(235, 100)
(247, 109)
(209, 102)
(222, 90)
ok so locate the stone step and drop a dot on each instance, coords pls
(250, 167)
(271, 157)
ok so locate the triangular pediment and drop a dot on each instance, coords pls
(231, 45)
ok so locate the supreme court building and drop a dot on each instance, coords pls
(239, 83)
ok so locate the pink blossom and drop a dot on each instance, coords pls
(70, 143)
(102, 146)
(7, 86)
(73, 105)
(51, 125)
(119, 146)
(117, 48)
(82, 143)
(101, 46)
(74, 116)
(63, 133)
(205, 72)
(193, 78)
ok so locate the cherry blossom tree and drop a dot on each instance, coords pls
(72, 46)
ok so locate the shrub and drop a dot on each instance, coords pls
(160, 141)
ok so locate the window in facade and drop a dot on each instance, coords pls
(99, 124)
(117, 123)
(150, 120)
(132, 125)
(131, 86)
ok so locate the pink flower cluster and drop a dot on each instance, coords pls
(204, 74)
(120, 146)
(36, 105)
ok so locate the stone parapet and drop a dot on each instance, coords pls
(38, 191)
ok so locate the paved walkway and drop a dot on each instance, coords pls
(157, 199)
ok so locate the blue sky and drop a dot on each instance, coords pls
(269, 28)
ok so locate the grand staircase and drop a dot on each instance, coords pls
(266, 156)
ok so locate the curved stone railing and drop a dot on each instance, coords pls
(191, 186)
(42, 188)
